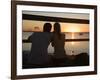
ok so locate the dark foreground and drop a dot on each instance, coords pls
(78, 60)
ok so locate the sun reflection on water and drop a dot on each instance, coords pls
(73, 36)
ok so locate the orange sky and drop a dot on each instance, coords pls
(29, 25)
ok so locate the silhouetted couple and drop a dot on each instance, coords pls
(40, 42)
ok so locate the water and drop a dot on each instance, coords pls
(68, 35)
(77, 47)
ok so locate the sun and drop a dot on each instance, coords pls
(73, 29)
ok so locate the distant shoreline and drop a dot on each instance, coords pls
(62, 32)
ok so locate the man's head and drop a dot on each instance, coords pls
(47, 27)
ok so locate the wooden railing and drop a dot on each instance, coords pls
(54, 19)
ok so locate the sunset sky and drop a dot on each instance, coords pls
(33, 25)
(30, 25)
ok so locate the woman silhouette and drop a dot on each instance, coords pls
(58, 42)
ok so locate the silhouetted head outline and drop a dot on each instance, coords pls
(47, 27)
(57, 28)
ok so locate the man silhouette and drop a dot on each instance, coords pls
(40, 42)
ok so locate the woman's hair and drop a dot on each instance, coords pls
(57, 29)
(47, 27)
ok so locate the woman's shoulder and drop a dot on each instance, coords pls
(63, 34)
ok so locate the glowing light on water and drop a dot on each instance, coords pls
(73, 36)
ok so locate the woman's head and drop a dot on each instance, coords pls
(47, 27)
(57, 28)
